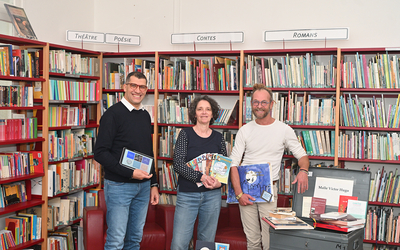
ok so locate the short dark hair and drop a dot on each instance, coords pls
(137, 74)
(193, 106)
(260, 86)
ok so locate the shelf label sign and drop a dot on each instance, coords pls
(122, 39)
(209, 37)
(306, 35)
(81, 36)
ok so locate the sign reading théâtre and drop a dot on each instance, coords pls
(82, 36)
(306, 34)
(122, 39)
(213, 37)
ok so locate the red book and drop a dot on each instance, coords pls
(343, 199)
(337, 228)
(317, 205)
(37, 161)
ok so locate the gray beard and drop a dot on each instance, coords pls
(265, 114)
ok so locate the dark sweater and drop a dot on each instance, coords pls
(121, 128)
(188, 146)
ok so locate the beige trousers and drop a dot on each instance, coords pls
(251, 217)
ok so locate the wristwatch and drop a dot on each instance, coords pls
(239, 195)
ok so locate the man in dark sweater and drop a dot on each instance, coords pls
(127, 192)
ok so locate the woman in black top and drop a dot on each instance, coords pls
(198, 194)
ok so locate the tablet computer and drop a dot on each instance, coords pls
(135, 160)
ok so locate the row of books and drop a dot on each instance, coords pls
(382, 225)
(12, 193)
(307, 71)
(24, 227)
(228, 116)
(62, 61)
(168, 178)
(64, 210)
(18, 62)
(67, 238)
(60, 90)
(215, 73)
(367, 145)
(229, 138)
(369, 113)
(16, 96)
(167, 199)
(175, 109)
(286, 177)
(115, 73)
(317, 142)
(168, 138)
(71, 143)
(68, 176)
(18, 128)
(14, 164)
(370, 71)
(68, 115)
(385, 186)
(110, 99)
(296, 109)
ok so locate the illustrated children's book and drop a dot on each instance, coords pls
(255, 180)
(212, 164)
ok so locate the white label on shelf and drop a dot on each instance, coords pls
(122, 39)
(82, 36)
(306, 34)
(220, 37)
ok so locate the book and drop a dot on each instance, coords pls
(281, 213)
(343, 199)
(357, 208)
(254, 180)
(284, 224)
(337, 228)
(20, 22)
(333, 215)
(317, 205)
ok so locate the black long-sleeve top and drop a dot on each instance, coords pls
(187, 147)
(121, 128)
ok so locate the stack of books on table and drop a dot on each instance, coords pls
(338, 221)
(285, 218)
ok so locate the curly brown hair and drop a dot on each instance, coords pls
(259, 86)
(214, 108)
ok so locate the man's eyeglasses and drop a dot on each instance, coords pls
(263, 103)
(135, 86)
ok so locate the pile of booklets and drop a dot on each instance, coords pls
(285, 218)
(349, 217)
(338, 221)
(212, 164)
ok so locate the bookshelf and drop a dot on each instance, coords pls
(370, 83)
(183, 76)
(22, 140)
(74, 88)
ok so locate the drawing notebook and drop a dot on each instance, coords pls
(136, 160)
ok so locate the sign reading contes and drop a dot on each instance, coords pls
(82, 36)
(209, 37)
(306, 34)
(122, 39)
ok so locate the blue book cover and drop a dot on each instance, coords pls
(254, 180)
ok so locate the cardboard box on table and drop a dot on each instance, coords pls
(328, 180)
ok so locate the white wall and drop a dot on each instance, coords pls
(371, 23)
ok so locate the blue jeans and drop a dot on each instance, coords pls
(207, 206)
(127, 205)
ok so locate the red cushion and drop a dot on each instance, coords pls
(153, 237)
(233, 236)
